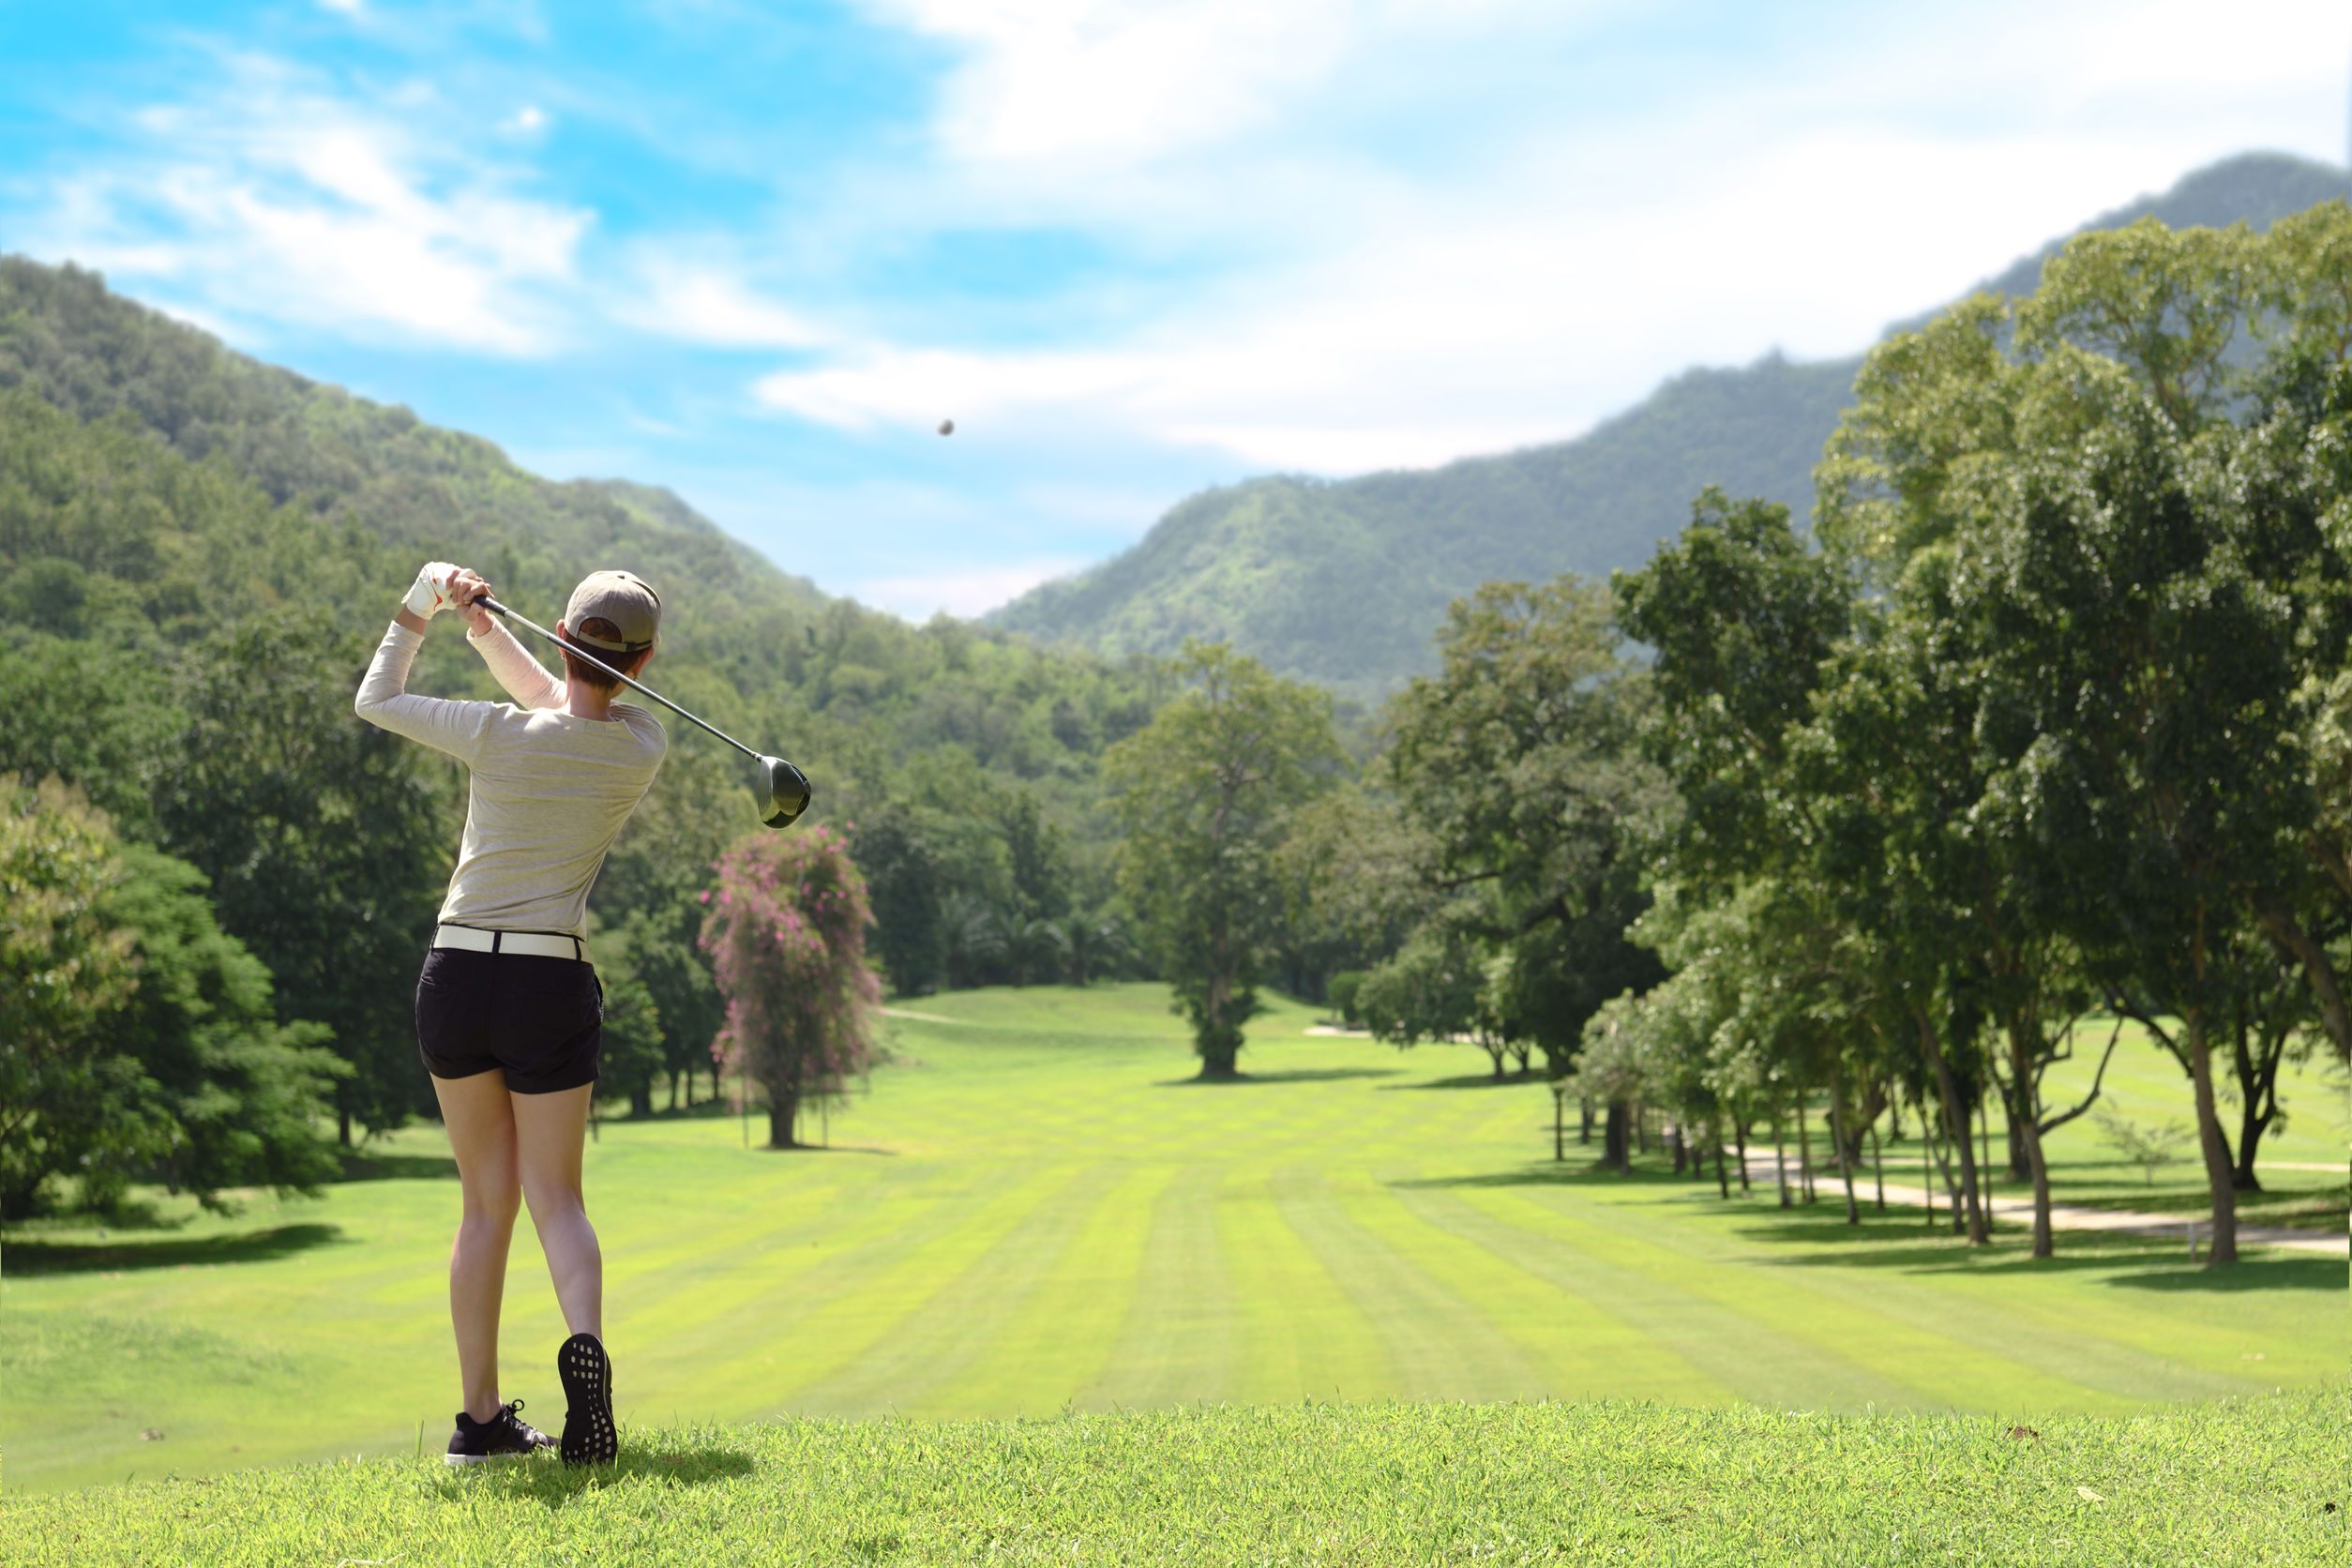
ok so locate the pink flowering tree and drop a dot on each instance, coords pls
(786, 934)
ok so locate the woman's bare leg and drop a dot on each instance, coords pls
(482, 1136)
(550, 1132)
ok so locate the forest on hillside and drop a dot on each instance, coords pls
(198, 554)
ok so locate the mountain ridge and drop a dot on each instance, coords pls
(1342, 581)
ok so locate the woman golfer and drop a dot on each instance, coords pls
(509, 1010)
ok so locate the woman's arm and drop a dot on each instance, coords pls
(384, 699)
(525, 678)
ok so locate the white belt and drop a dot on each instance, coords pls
(529, 944)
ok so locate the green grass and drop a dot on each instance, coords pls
(1035, 1212)
(2261, 1481)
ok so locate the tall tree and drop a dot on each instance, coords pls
(1521, 756)
(1205, 793)
(328, 842)
(787, 937)
(137, 1039)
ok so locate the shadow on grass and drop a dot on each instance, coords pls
(759, 1146)
(2135, 1262)
(1471, 1081)
(547, 1482)
(360, 1166)
(36, 1256)
(1578, 1170)
(1300, 1075)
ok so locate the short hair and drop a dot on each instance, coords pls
(588, 674)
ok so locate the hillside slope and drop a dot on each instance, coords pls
(79, 347)
(1343, 581)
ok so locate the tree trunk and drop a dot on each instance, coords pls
(342, 1124)
(1804, 1147)
(1955, 1127)
(2025, 1126)
(1845, 1167)
(1714, 1136)
(1615, 1154)
(2257, 1101)
(673, 1089)
(2319, 973)
(1584, 1129)
(2012, 1103)
(2220, 1171)
(1780, 1160)
(1740, 1142)
(1927, 1165)
(642, 1099)
(1879, 1166)
(783, 1111)
(1674, 1146)
(1641, 1129)
(1984, 1135)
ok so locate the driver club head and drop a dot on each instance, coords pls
(783, 791)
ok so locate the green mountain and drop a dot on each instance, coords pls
(1343, 581)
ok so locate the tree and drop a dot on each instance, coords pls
(634, 1037)
(1521, 758)
(243, 1092)
(64, 969)
(1205, 793)
(2141, 571)
(138, 1041)
(904, 879)
(327, 842)
(786, 933)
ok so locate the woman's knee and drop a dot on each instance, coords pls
(493, 1198)
(552, 1199)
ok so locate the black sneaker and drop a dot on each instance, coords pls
(503, 1434)
(588, 1436)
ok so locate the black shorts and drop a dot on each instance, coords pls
(541, 1020)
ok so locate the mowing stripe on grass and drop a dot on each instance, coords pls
(1439, 1344)
(1756, 1363)
(1181, 1340)
(1052, 1350)
(933, 1344)
(1578, 1349)
(2133, 1355)
(2053, 1345)
(1927, 1367)
(799, 1343)
(1303, 1337)
(695, 1323)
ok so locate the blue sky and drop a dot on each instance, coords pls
(756, 253)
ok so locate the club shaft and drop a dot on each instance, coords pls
(505, 614)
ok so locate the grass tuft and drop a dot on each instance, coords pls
(2244, 1481)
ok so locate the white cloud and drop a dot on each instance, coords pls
(700, 305)
(281, 203)
(342, 7)
(1412, 319)
(967, 591)
(529, 120)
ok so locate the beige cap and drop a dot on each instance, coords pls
(624, 598)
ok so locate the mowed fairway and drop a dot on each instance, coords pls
(1033, 1211)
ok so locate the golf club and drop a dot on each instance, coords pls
(783, 788)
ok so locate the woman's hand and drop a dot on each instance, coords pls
(465, 586)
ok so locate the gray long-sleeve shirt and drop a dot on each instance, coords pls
(549, 792)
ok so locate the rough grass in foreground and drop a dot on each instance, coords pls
(2254, 1481)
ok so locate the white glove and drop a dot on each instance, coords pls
(429, 595)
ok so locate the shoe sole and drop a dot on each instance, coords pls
(590, 1436)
